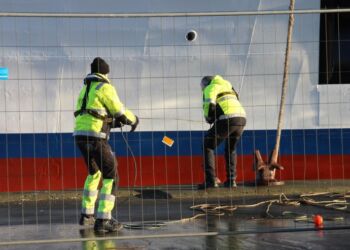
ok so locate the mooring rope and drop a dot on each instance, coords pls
(205, 209)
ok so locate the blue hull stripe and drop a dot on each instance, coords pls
(61, 145)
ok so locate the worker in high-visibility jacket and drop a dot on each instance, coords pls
(97, 111)
(221, 108)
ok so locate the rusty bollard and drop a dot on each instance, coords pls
(266, 171)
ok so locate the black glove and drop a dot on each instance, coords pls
(133, 126)
(116, 123)
(210, 120)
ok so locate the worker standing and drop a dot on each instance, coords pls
(221, 108)
(98, 110)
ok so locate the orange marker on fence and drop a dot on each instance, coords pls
(168, 141)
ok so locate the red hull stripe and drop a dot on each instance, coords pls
(29, 174)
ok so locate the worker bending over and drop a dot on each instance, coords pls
(221, 108)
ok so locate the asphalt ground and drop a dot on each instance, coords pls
(158, 219)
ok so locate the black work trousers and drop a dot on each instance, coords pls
(230, 130)
(98, 155)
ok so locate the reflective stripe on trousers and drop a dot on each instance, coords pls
(90, 193)
(106, 200)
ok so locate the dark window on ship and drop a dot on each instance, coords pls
(334, 62)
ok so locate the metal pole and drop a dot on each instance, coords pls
(171, 14)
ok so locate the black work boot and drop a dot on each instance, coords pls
(87, 220)
(230, 184)
(209, 184)
(107, 225)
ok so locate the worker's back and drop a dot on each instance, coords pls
(220, 92)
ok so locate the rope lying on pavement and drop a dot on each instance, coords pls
(158, 224)
(336, 204)
(339, 203)
(305, 218)
(214, 209)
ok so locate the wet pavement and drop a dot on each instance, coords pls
(53, 224)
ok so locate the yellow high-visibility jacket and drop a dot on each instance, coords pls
(220, 93)
(102, 102)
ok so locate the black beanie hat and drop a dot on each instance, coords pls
(99, 65)
(206, 81)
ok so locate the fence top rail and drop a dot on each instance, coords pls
(170, 14)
